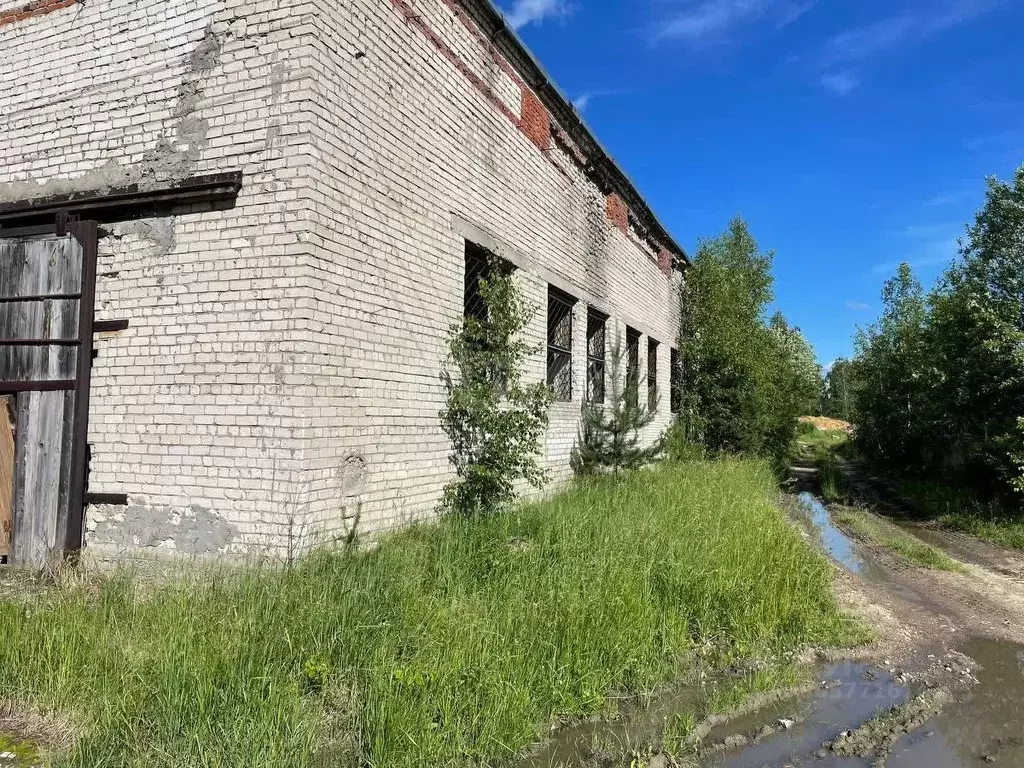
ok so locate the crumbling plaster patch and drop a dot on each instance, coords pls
(172, 159)
(195, 529)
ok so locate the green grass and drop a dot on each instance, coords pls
(725, 698)
(960, 510)
(820, 441)
(678, 737)
(448, 644)
(881, 533)
(833, 486)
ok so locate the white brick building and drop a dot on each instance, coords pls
(285, 191)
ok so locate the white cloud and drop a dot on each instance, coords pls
(584, 100)
(712, 20)
(861, 43)
(924, 246)
(856, 306)
(948, 198)
(842, 82)
(889, 268)
(995, 141)
(525, 12)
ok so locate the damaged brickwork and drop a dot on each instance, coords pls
(173, 157)
(279, 381)
(194, 530)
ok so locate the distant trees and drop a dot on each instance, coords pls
(744, 379)
(892, 381)
(939, 379)
(837, 395)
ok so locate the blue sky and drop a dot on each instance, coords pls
(850, 135)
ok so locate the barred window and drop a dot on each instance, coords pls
(675, 383)
(560, 344)
(477, 269)
(632, 365)
(652, 373)
(595, 355)
(481, 264)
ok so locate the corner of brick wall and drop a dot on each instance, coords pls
(665, 262)
(534, 120)
(618, 212)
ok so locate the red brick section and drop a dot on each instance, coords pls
(37, 8)
(665, 262)
(618, 212)
(535, 122)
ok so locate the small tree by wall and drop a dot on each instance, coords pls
(494, 421)
(609, 439)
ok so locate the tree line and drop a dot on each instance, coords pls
(746, 375)
(936, 384)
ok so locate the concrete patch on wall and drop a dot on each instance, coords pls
(172, 159)
(192, 530)
(158, 233)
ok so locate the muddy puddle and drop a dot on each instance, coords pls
(639, 726)
(983, 725)
(853, 694)
(837, 544)
(849, 554)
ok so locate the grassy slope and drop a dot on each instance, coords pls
(883, 534)
(445, 644)
(962, 511)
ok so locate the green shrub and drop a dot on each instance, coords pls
(680, 446)
(495, 422)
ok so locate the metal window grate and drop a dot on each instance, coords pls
(595, 357)
(477, 269)
(675, 383)
(652, 374)
(632, 365)
(560, 344)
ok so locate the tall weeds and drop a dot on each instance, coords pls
(448, 644)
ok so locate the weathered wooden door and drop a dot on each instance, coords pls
(47, 284)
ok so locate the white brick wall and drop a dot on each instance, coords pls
(281, 373)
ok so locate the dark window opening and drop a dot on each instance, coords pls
(478, 267)
(595, 356)
(675, 383)
(652, 374)
(560, 344)
(632, 365)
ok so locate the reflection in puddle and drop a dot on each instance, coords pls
(823, 715)
(838, 545)
(985, 726)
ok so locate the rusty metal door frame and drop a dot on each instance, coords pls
(86, 233)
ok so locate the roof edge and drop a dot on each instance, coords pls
(505, 39)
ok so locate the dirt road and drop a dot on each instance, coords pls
(944, 683)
